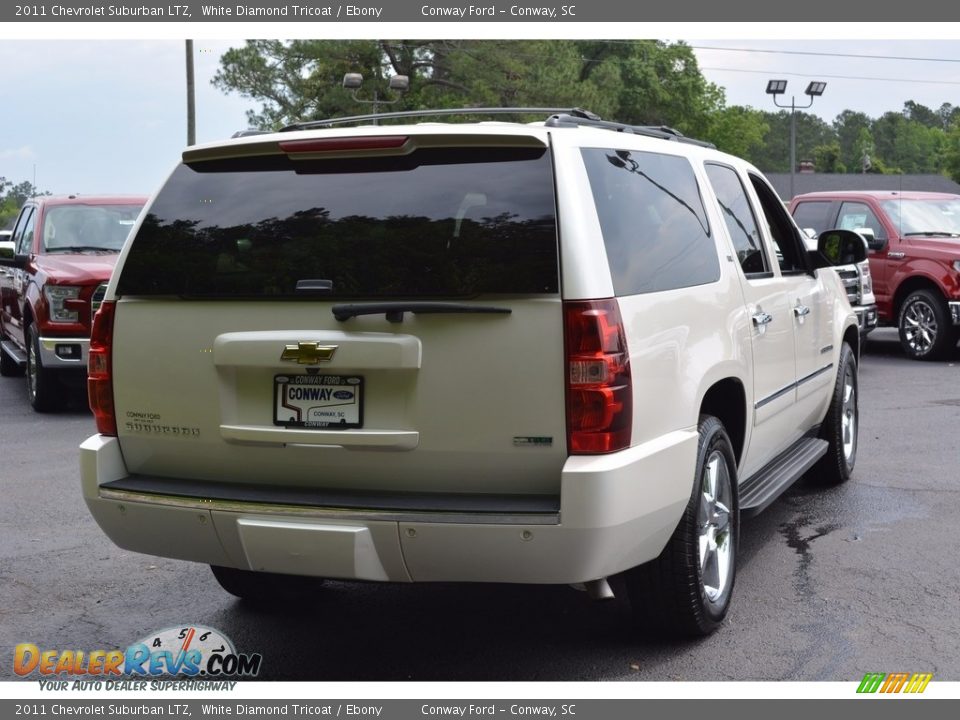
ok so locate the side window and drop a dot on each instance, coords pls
(791, 254)
(738, 216)
(23, 232)
(814, 214)
(653, 221)
(855, 216)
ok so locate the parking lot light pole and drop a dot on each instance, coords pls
(779, 87)
(398, 83)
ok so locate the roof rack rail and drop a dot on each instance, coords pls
(329, 122)
(658, 131)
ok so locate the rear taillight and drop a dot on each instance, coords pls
(599, 392)
(99, 371)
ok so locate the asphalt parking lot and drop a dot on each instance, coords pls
(832, 584)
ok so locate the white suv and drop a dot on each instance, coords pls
(486, 352)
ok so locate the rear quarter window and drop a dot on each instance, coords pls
(444, 222)
(653, 221)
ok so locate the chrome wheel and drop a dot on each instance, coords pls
(32, 370)
(715, 536)
(920, 327)
(848, 418)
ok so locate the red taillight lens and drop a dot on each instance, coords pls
(599, 392)
(99, 371)
(379, 142)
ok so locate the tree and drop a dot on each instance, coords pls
(951, 152)
(906, 145)
(918, 113)
(737, 130)
(812, 132)
(848, 125)
(644, 81)
(12, 198)
(826, 158)
(865, 154)
(949, 115)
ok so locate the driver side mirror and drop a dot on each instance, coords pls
(839, 247)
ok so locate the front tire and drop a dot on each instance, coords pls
(43, 386)
(924, 323)
(841, 426)
(686, 591)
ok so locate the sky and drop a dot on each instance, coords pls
(109, 115)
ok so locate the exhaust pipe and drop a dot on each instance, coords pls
(596, 589)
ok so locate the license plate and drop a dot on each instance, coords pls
(323, 402)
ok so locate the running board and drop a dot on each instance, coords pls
(761, 489)
(13, 351)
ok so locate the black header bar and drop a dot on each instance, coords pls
(495, 11)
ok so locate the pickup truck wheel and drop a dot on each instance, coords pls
(261, 588)
(8, 366)
(840, 427)
(687, 589)
(43, 386)
(925, 329)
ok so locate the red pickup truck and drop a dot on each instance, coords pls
(914, 241)
(64, 250)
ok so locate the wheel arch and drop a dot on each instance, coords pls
(912, 284)
(726, 400)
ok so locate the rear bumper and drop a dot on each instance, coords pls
(615, 512)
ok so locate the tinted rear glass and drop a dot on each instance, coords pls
(654, 225)
(435, 223)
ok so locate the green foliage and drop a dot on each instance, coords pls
(737, 130)
(644, 81)
(848, 126)
(774, 154)
(12, 198)
(649, 82)
(826, 158)
(951, 152)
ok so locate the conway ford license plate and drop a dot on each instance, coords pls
(324, 402)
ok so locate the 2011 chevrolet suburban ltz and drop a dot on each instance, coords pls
(484, 352)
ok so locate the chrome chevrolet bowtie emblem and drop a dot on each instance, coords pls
(308, 353)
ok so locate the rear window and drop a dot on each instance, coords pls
(435, 223)
(654, 225)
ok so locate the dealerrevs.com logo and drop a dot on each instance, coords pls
(192, 651)
(895, 682)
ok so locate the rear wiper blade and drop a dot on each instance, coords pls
(932, 233)
(395, 310)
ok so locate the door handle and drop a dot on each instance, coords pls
(800, 310)
(761, 320)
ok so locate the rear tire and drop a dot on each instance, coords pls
(262, 588)
(43, 386)
(686, 591)
(926, 332)
(841, 426)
